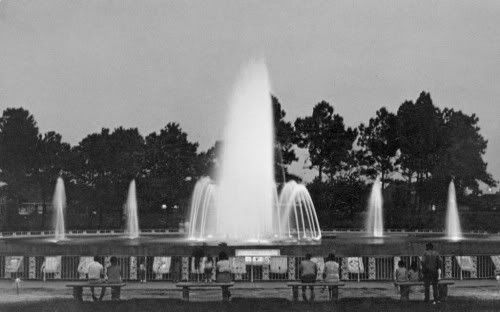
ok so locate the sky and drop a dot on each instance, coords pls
(78, 66)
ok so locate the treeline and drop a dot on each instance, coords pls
(415, 151)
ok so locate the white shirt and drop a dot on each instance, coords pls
(95, 270)
(224, 266)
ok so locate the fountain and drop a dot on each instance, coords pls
(453, 229)
(59, 206)
(244, 205)
(374, 220)
(293, 215)
(130, 210)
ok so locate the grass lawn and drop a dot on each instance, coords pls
(253, 304)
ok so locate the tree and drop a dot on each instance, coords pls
(461, 156)
(51, 160)
(106, 163)
(420, 136)
(208, 162)
(380, 144)
(284, 137)
(18, 146)
(326, 138)
(170, 166)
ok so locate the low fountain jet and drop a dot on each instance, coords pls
(130, 210)
(374, 219)
(59, 206)
(453, 228)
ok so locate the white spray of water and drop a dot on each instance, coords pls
(374, 220)
(132, 225)
(453, 229)
(59, 206)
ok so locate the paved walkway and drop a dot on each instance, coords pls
(40, 291)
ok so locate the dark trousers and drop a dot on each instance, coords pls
(431, 278)
(103, 292)
(308, 279)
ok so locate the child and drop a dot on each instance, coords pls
(142, 272)
(414, 274)
(401, 275)
(401, 272)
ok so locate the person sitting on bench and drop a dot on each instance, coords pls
(114, 277)
(224, 273)
(96, 271)
(308, 273)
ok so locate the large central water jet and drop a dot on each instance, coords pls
(244, 205)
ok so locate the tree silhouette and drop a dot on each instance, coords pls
(379, 143)
(284, 138)
(326, 138)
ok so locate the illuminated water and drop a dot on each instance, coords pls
(244, 206)
(132, 221)
(375, 220)
(59, 206)
(453, 229)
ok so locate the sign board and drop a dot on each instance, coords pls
(257, 256)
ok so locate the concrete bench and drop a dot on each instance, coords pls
(186, 286)
(404, 288)
(78, 289)
(335, 286)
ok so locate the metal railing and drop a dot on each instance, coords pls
(369, 268)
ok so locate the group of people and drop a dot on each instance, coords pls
(431, 264)
(431, 267)
(97, 274)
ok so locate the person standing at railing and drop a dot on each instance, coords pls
(224, 273)
(431, 264)
(331, 273)
(114, 276)
(308, 273)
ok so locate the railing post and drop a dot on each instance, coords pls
(185, 269)
(473, 273)
(265, 271)
(291, 268)
(371, 268)
(448, 267)
(345, 268)
(32, 268)
(133, 268)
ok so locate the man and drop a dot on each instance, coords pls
(96, 271)
(308, 272)
(431, 263)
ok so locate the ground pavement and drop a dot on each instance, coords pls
(470, 295)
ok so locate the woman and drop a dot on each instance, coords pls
(224, 273)
(331, 273)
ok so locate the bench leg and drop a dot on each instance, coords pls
(443, 292)
(295, 293)
(77, 293)
(335, 293)
(185, 293)
(404, 292)
(225, 293)
(115, 293)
